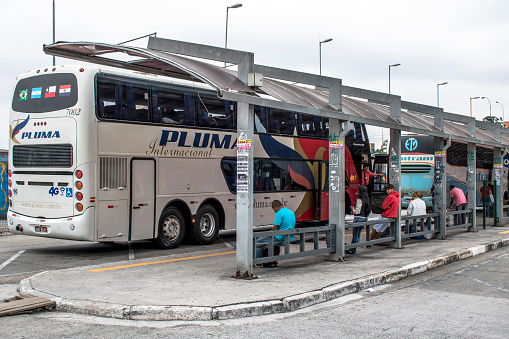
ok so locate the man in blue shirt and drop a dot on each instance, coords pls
(284, 220)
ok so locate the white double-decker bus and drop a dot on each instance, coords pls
(101, 155)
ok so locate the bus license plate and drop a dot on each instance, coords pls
(41, 229)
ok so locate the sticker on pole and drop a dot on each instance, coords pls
(440, 154)
(244, 144)
(336, 144)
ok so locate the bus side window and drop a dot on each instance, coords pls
(309, 125)
(229, 167)
(106, 104)
(260, 119)
(137, 101)
(281, 122)
(216, 113)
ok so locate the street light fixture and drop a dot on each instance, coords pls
(226, 35)
(503, 115)
(320, 50)
(438, 96)
(393, 65)
(472, 98)
(489, 103)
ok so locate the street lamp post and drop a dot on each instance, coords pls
(503, 115)
(226, 35)
(53, 29)
(438, 96)
(488, 102)
(472, 98)
(320, 51)
(394, 65)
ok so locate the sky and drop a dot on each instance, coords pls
(464, 43)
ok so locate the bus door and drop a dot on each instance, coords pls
(377, 184)
(142, 199)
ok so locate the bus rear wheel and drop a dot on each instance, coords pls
(206, 228)
(171, 228)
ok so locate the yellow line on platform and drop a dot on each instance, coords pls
(505, 232)
(158, 262)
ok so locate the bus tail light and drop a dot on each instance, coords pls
(10, 194)
(79, 207)
(79, 196)
(10, 183)
(79, 174)
(10, 203)
(79, 185)
(10, 173)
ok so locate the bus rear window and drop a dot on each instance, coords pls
(45, 93)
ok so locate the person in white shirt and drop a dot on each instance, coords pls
(417, 207)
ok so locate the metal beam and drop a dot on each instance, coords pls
(337, 185)
(471, 175)
(395, 178)
(369, 95)
(441, 185)
(197, 50)
(497, 178)
(342, 116)
(245, 131)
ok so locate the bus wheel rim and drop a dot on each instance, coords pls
(171, 228)
(207, 224)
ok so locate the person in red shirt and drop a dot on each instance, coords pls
(391, 210)
(486, 196)
(366, 174)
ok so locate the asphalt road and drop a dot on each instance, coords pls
(26, 255)
(466, 299)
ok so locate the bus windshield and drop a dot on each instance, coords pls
(45, 93)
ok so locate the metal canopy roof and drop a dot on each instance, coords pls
(224, 80)
(151, 62)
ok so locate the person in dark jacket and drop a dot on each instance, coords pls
(361, 214)
(391, 210)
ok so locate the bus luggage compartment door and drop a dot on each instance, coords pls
(142, 199)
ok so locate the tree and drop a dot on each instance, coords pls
(493, 119)
(382, 149)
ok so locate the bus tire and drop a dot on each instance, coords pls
(206, 228)
(171, 228)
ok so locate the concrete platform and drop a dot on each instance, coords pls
(199, 286)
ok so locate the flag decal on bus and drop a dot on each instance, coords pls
(50, 92)
(23, 94)
(36, 93)
(65, 90)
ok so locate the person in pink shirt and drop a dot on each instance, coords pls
(366, 174)
(460, 201)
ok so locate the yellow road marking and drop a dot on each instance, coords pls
(158, 262)
(505, 232)
(169, 260)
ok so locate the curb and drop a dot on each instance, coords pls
(242, 310)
